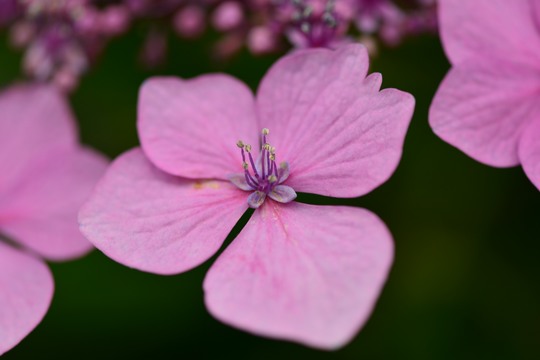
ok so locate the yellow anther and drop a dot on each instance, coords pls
(267, 147)
(265, 131)
(240, 144)
(272, 150)
(272, 157)
(247, 147)
(272, 178)
(245, 165)
(283, 165)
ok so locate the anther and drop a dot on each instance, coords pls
(272, 179)
(240, 144)
(267, 147)
(273, 157)
(265, 131)
(245, 165)
(247, 147)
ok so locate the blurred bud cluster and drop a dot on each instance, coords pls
(62, 38)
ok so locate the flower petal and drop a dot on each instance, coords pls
(529, 151)
(488, 30)
(256, 199)
(482, 110)
(283, 171)
(27, 290)
(239, 180)
(300, 272)
(151, 221)
(35, 121)
(340, 135)
(190, 128)
(41, 211)
(283, 194)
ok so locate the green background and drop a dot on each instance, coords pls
(465, 279)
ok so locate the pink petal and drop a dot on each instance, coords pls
(41, 211)
(190, 127)
(300, 272)
(151, 221)
(536, 9)
(35, 121)
(482, 110)
(27, 289)
(340, 135)
(490, 30)
(529, 151)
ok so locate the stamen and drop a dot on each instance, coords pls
(267, 179)
(250, 181)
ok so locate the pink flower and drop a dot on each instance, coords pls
(488, 105)
(46, 176)
(296, 271)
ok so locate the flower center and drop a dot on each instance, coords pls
(265, 177)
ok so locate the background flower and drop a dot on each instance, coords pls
(46, 176)
(63, 38)
(488, 105)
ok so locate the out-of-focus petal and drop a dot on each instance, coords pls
(146, 219)
(26, 292)
(340, 135)
(488, 30)
(35, 122)
(41, 211)
(190, 128)
(482, 110)
(529, 151)
(300, 272)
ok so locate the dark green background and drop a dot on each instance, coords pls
(465, 279)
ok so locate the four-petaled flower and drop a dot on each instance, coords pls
(488, 105)
(296, 271)
(46, 176)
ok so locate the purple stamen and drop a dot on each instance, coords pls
(251, 182)
(269, 180)
(263, 161)
(253, 166)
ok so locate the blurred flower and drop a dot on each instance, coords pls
(46, 176)
(488, 105)
(62, 38)
(299, 272)
(9, 10)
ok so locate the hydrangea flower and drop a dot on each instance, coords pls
(63, 38)
(46, 176)
(300, 272)
(488, 105)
